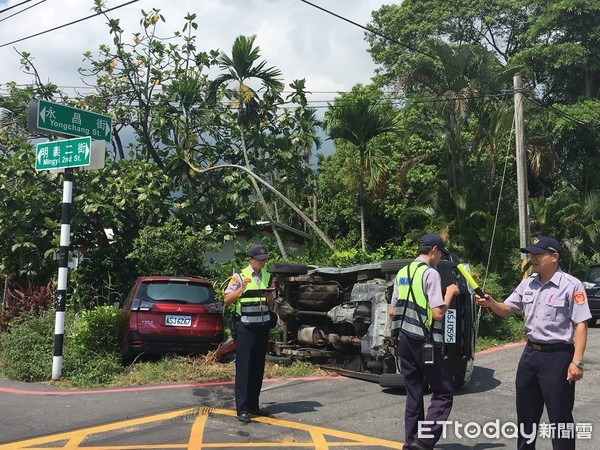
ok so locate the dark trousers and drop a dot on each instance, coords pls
(440, 382)
(542, 379)
(250, 350)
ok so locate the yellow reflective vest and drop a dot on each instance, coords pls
(254, 311)
(412, 312)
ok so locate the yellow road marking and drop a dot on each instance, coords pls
(318, 435)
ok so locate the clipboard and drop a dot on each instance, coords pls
(257, 292)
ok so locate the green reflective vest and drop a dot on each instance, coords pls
(254, 311)
(412, 312)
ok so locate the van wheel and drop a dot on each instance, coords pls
(462, 378)
(287, 269)
(394, 265)
(126, 356)
(391, 380)
(284, 361)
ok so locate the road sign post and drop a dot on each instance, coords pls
(65, 120)
(61, 120)
(63, 154)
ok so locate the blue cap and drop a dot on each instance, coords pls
(258, 251)
(543, 244)
(432, 240)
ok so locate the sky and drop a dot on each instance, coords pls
(297, 38)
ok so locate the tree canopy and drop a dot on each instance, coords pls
(426, 147)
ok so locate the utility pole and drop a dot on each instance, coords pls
(522, 192)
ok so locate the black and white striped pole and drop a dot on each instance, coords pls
(63, 269)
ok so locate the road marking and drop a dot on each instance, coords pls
(316, 437)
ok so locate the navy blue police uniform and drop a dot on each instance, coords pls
(253, 322)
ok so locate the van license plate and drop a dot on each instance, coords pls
(450, 328)
(178, 321)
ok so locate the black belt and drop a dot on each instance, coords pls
(548, 347)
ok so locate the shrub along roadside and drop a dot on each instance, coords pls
(91, 357)
(90, 351)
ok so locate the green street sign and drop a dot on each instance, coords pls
(72, 121)
(63, 154)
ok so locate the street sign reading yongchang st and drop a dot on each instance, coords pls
(68, 121)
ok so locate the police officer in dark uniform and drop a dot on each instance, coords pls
(253, 322)
(418, 308)
(556, 314)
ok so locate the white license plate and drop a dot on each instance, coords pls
(178, 321)
(450, 327)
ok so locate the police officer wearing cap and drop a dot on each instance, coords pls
(252, 310)
(418, 306)
(556, 314)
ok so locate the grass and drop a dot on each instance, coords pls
(181, 369)
(483, 343)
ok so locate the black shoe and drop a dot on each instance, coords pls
(416, 445)
(244, 418)
(259, 412)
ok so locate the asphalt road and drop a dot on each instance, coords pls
(317, 413)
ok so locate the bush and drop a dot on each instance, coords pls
(97, 330)
(21, 300)
(170, 249)
(90, 353)
(92, 347)
(26, 349)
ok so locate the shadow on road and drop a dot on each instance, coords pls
(300, 407)
(482, 380)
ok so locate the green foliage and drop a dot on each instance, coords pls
(84, 368)
(441, 170)
(171, 249)
(509, 329)
(26, 349)
(90, 352)
(97, 330)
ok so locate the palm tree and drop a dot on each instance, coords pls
(357, 120)
(240, 69)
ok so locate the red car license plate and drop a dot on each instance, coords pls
(178, 321)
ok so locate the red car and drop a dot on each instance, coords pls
(170, 315)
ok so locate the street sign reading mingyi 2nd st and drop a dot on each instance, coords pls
(73, 121)
(63, 154)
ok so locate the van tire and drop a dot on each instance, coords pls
(391, 381)
(392, 266)
(287, 269)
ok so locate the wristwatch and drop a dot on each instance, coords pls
(577, 364)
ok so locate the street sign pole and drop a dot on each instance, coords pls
(63, 269)
(62, 120)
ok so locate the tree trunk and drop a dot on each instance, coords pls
(262, 200)
(276, 192)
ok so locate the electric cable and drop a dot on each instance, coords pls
(557, 111)
(377, 33)
(23, 10)
(68, 24)
(14, 6)
(489, 259)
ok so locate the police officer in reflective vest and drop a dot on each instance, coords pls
(252, 310)
(556, 314)
(418, 307)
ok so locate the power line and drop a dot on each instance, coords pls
(556, 111)
(381, 35)
(68, 24)
(14, 6)
(23, 10)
